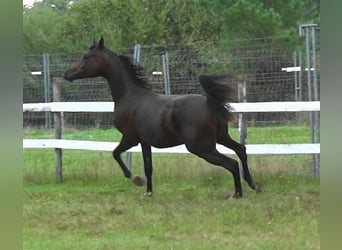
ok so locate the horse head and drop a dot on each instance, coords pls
(90, 65)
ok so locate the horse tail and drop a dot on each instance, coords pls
(219, 94)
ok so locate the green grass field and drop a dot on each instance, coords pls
(97, 208)
(256, 135)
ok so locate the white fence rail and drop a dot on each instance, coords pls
(303, 148)
(257, 149)
(109, 107)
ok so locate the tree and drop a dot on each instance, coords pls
(42, 26)
(64, 25)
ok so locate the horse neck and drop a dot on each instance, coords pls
(116, 86)
(119, 82)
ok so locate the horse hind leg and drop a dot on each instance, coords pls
(225, 140)
(218, 159)
(124, 145)
(147, 156)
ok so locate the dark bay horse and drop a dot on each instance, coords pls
(151, 119)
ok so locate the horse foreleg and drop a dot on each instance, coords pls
(124, 145)
(147, 156)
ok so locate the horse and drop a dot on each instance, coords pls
(156, 120)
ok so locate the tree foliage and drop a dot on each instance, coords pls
(63, 26)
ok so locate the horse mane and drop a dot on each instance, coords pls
(135, 70)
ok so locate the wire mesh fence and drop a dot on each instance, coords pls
(258, 63)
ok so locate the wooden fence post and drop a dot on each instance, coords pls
(57, 117)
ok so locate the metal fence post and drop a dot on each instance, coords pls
(46, 72)
(166, 73)
(315, 96)
(136, 60)
(297, 77)
(136, 53)
(297, 62)
(311, 66)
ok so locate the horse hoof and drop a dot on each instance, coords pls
(234, 196)
(138, 181)
(257, 188)
(237, 196)
(148, 194)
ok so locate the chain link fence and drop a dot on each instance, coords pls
(260, 64)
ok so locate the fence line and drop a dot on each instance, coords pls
(59, 107)
(255, 149)
(246, 107)
(58, 144)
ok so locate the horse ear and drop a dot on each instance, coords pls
(101, 43)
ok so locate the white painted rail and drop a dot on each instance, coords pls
(69, 107)
(109, 107)
(257, 149)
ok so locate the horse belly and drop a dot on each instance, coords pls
(196, 124)
(159, 139)
(159, 129)
(166, 143)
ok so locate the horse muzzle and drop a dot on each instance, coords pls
(69, 75)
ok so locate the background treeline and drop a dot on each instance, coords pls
(60, 26)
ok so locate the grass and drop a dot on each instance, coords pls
(256, 135)
(97, 208)
(91, 134)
